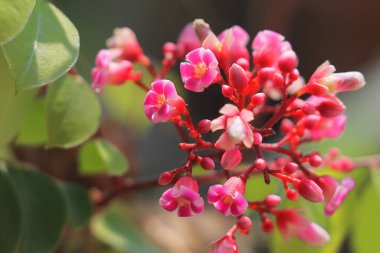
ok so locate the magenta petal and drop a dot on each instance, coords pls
(209, 76)
(164, 113)
(239, 205)
(195, 56)
(194, 84)
(158, 86)
(151, 99)
(209, 59)
(169, 205)
(184, 210)
(215, 192)
(197, 206)
(222, 207)
(98, 80)
(314, 235)
(170, 92)
(188, 193)
(187, 71)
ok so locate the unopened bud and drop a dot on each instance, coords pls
(290, 168)
(286, 126)
(287, 61)
(165, 178)
(169, 49)
(204, 126)
(272, 200)
(260, 164)
(310, 190)
(291, 194)
(258, 99)
(227, 91)
(294, 75)
(244, 223)
(207, 163)
(257, 138)
(244, 63)
(278, 80)
(266, 74)
(238, 78)
(267, 225)
(315, 160)
(331, 108)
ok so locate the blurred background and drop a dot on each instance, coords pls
(346, 32)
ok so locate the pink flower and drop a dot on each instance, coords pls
(162, 101)
(183, 196)
(336, 82)
(187, 40)
(226, 244)
(328, 127)
(124, 39)
(339, 195)
(228, 198)
(290, 223)
(201, 70)
(268, 47)
(237, 128)
(109, 71)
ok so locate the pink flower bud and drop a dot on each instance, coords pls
(260, 164)
(294, 75)
(258, 99)
(231, 158)
(165, 178)
(347, 81)
(291, 195)
(238, 78)
(315, 160)
(207, 163)
(278, 80)
(290, 168)
(287, 61)
(340, 195)
(286, 125)
(229, 198)
(244, 223)
(187, 41)
(257, 138)
(244, 63)
(272, 200)
(204, 126)
(267, 225)
(169, 50)
(227, 91)
(310, 190)
(328, 185)
(330, 108)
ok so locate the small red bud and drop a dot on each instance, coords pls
(331, 108)
(238, 78)
(315, 160)
(207, 163)
(227, 91)
(294, 75)
(278, 80)
(266, 74)
(311, 121)
(267, 225)
(291, 194)
(290, 168)
(286, 126)
(287, 61)
(257, 138)
(244, 223)
(204, 126)
(258, 99)
(165, 178)
(260, 164)
(272, 200)
(310, 190)
(169, 49)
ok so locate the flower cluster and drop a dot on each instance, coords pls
(267, 97)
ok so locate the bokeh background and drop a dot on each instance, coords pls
(346, 32)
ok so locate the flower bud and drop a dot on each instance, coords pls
(287, 61)
(291, 194)
(169, 50)
(227, 91)
(244, 223)
(258, 99)
(310, 190)
(207, 163)
(272, 200)
(204, 126)
(315, 160)
(290, 168)
(278, 80)
(331, 108)
(260, 164)
(267, 225)
(286, 126)
(238, 78)
(311, 121)
(257, 138)
(266, 74)
(294, 75)
(244, 63)
(165, 178)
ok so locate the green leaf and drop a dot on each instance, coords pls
(72, 111)
(33, 130)
(100, 156)
(13, 107)
(114, 228)
(14, 14)
(79, 205)
(45, 50)
(43, 210)
(256, 188)
(10, 215)
(366, 222)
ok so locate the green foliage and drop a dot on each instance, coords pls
(101, 156)
(14, 15)
(79, 205)
(366, 223)
(43, 210)
(72, 111)
(10, 214)
(114, 228)
(45, 50)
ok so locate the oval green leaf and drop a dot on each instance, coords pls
(72, 111)
(101, 156)
(43, 208)
(10, 215)
(45, 50)
(14, 14)
(79, 205)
